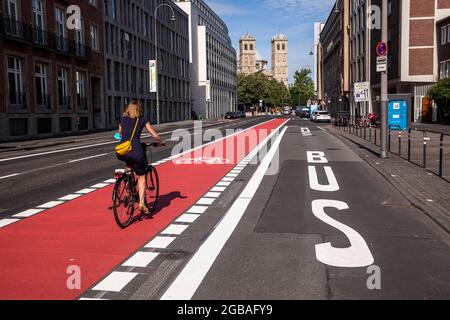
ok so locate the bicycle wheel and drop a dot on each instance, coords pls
(152, 188)
(123, 202)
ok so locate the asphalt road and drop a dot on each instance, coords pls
(27, 180)
(311, 221)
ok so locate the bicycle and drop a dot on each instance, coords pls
(125, 195)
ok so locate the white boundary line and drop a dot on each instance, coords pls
(190, 278)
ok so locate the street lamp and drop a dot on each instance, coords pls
(172, 18)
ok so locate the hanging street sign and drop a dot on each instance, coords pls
(382, 64)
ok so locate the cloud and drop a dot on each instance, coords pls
(226, 9)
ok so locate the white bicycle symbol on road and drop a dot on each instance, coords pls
(203, 160)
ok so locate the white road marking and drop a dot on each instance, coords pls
(314, 180)
(322, 129)
(212, 194)
(188, 218)
(206, 201)
(110, 181)
(227, 179)
(140, 259)
(50, 204)
(94, 299)
(99, 185)
(218, 189)
(70, 197)
(197, 209)
(357, 255)
(5, 222)
(192, 275)
(223, 183)
(175, 229)
(87, 158)
(160, 242)
(85, 191)
(10, 175)
(231, 175)
(115, 282)
(28, 213)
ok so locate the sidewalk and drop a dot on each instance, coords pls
(441, 128)
(95, 136)
(423, 189)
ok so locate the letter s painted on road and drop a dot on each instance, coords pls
(357, 255)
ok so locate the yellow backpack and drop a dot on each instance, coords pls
(126, 147)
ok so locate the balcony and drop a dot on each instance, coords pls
(64, 102)
(17, 100)
(15, 30)
(43, 102)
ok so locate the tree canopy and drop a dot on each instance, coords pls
(303, 87)
(257, 86)
(440, 93)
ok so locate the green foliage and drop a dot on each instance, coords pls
(440, 93)
(255, 87)
(303, 87)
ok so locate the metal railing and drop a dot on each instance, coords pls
(16, 30)
(425, 148)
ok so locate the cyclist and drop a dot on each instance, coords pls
(136, 158)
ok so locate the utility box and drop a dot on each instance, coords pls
(398, 115)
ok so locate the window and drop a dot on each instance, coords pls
(11, 25)
(113, 9)
(60, 30)
(448, 33)
(245, 47)
(442, 69)
(278, 46)
(283, 46)
(38, 21)
(15, 81)
(443, 35)
(63, 97)
(79, 41)
(94, 37)
(81, 90)
(146, 25)
(41, 82)
(251, 46)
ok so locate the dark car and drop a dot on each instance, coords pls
(231, 115)
(241, 114)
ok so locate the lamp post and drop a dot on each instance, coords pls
(172, 18)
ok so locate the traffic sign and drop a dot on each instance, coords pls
(382, 49)
(382, 63)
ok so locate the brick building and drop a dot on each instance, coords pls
(52, 70)
(413, 53)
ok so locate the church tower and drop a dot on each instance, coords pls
(280, 65)
(247, 56)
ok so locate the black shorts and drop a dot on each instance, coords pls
(139, 166)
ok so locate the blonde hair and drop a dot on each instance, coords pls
(133, 110)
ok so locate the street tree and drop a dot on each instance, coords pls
(303, 87)
(440, 93)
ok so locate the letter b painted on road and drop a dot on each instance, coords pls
(316, 157)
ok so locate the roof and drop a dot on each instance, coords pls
(279, 36)
(247, 36)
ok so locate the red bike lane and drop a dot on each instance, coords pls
(36, 252)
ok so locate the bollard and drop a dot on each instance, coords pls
(441, 153)
(409, 144)
(375, 136)
(370, 134)
(400, 143)
(365, 132)
(389, 140)
(425, 139)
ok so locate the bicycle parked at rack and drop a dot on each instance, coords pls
(125, 195)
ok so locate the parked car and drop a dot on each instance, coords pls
(240, 114)
(322, 116)
(231, 115)
(312, 116)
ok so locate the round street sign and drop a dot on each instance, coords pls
(382, 49)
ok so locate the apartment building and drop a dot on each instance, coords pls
(413, 64)
(129, 33)
(212, 61)
(318, 26)
(52, 70)
(334, 52)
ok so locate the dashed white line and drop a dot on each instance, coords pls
(212, 194)
(85, 191)
(87, 158)
(5, 222)
(160, 242)
(70, 197)
(50, 204)
(206, 201)
(223, 183)
(115, 282)
(140, 259)
(99, 185)
(10, 175)
(187, 217)
(110, 181)
(197, 209)
(176, 229)
(28, 213)
(218, 189)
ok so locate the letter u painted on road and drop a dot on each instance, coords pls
(357, 255)
(314, 180)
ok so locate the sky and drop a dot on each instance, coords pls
(265, 18)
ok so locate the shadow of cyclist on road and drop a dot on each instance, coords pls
(164, 200)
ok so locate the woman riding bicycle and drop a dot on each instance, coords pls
(136, 158)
